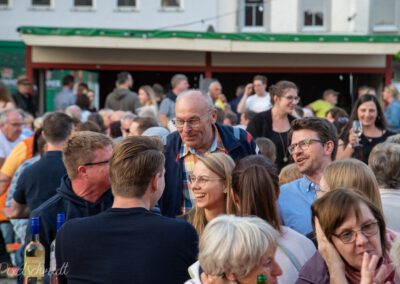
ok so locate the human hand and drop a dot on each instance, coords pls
(248, 90)
(391, 236)
(353, 139)
(369, 274)
(328, 251)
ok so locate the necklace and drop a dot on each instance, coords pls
(285, 157)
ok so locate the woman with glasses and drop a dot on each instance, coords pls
(275, 123)
(352, 245)
(255, 190)
(373, 130)
(210, 182)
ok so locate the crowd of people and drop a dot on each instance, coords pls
(185, 186)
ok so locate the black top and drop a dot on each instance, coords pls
(25, 103)
(39, 181)
(129, 245)
(67, 202)
(261, 126)
(367, 143)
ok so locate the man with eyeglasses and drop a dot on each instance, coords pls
(313, 147)
(85, 190)
(198, 133)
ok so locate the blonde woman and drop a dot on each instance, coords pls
(210, 182)
(147, 97)
(352, 174)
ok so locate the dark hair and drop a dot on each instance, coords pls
(83, 102)
(68, 79)
(57, 127)
(4, 93)
(88, 126)
(83, 85)
(324, 129)
(115, 129)
(144, 123)
(96, 118)
(231, 116)
(341, 118)
(123, 77)
(249, 114)
(256, 189)
(267, 148)
(333, 208)
(280, 88)
(380, 121)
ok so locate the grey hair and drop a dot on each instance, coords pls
(177, 78)
(128, 115)
(4, 114)
(231, 244)
(206, 97)
(394, 139)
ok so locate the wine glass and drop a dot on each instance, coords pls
(357, 131)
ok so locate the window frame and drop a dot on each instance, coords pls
(6, 6)
(172, 9)
(127, 9)
(42, 7)
(326, 18)
(84, 8)
(384, 28)
(266, 17)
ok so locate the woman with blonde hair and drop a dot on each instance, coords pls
(148, 98)
(354, 175)
(210, 182)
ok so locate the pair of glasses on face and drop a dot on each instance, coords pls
(292, 98)
(96, 163)
(349, 236)
(201, 180)
(303, 145)
(192, 123)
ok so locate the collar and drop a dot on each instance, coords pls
(308, 185)
(217, 145)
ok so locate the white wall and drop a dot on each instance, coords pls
(283, 16)
(228, 16)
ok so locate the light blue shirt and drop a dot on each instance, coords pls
(392, 115)
(64, 99)
(294, 203)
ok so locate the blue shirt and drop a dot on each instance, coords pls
(392, 115)
(64, 99)
(294, 203)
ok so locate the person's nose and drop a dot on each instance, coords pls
(277, 270)
(361, 239)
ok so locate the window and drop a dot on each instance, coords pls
(4, 3)
(41, 3)
(385, 14)
(254, 13)
(83, 3)
(171, 3)
(126, 3)
(313, 15)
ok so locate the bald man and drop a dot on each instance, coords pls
(198, 134)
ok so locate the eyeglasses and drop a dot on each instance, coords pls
(292, 98)
(201, 180)
(303, 145)
(96, 163)
(192, 123)
(368, 230)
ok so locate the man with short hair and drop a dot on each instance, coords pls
(179, 83)
(322, 106)
(141, 124)
(260, 101)
(23, 99)
(39, 181)
(122, 98)
(84, 191)
(126, 122)
(143, 247)
(214, 91)
(198, 134)
(11, 122)
(66, 97)
(313, 147)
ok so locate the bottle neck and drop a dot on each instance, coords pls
(35, 238)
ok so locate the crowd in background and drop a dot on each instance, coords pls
(300, 193)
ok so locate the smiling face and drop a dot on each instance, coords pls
(288, 101)
(367, 113)
(12, 128)
(353, 252)
(267, 266)
(210, 195)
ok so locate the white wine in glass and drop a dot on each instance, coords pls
(357, 130)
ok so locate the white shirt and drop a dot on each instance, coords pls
(6, 146)
(258, 104)
(299, 246)
(391, 205)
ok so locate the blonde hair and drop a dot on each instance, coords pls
(231, 244)
(151, 94)
(355, 175)
(222, 165)
(289, 173)
(384, 161)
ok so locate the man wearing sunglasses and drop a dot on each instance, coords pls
(198, 133)
(313, 147)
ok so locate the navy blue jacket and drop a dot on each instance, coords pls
(73, 206)
(236, 141)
